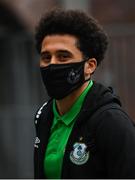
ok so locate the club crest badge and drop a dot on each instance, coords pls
(79, 155)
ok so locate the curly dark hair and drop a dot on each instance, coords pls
(92, 40)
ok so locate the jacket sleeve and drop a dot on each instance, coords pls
(116, 142)
(38, 172)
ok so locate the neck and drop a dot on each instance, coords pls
(63, 105)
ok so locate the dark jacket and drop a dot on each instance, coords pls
(103, 127)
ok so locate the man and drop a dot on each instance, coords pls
(82, 131)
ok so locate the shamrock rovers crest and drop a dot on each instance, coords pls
(79, 155)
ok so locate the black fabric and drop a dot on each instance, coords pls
(62, 79)
(107, 131)
(43, 126)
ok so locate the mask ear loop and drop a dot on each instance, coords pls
(85, 60)
(87, 79)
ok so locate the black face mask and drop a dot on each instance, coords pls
(62, 79)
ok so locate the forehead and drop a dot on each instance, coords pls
(59, 42)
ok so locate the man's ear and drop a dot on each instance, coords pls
(90, 66)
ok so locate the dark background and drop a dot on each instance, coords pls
(21, 89)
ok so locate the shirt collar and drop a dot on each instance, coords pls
(68, 117)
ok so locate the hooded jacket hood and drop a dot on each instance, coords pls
(99, 96)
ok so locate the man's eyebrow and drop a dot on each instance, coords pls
(59, 51)
(44, 52)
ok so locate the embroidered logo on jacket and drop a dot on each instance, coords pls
(37, 141)
(79, 155)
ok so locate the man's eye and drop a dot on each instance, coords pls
(66, 56)
(63, 56)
